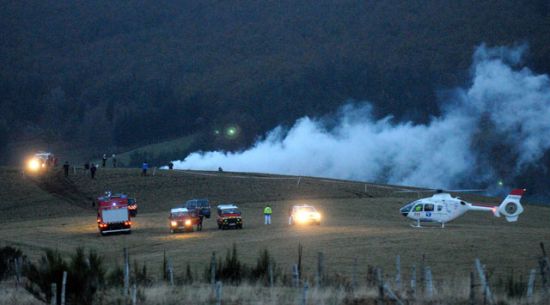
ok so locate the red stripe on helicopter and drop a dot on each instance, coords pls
(518, 192)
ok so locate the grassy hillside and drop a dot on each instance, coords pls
(52, 212)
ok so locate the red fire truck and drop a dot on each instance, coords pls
(113, 214)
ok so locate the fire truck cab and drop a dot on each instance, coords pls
(113, 214)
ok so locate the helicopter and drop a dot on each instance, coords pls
(443, 208)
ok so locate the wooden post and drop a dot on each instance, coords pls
(429, 283)
(487, 295)
(53, 300)
(304, 294)
(63, 286)
(170, 272)
(398, 273)
(218, 293)
(320, 269)
(380, 282)
(422, 274)
(413, 282)
(365, 187)
(213, 270)
(544, 265)
(126, 272)
(472, 289)
(270, 274)
(392, 295)
(17, 266)
(295, 276)
(134, 294)
(298, 182)
(531, 286)
(300, 251)
(354, 274)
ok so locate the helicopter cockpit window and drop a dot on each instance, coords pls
(428, 207)
(418, 208)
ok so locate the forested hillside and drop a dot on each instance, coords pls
(120, 74)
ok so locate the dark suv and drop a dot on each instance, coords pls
(199, 206)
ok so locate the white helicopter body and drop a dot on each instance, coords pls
(442, 208)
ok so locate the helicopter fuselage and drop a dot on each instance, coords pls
(440, 208)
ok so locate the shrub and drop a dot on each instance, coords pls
(7, 256)
(85, 276)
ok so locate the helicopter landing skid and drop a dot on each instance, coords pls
(417, 225)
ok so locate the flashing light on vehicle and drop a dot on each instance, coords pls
(33, 164)
(127, 223)
(173, 223)
(188, 222)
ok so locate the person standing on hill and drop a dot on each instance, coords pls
(144, 168)
(170, 165)
(114, 160)
(267, 215)
(93, 169)
(104, 160)
(66, 169)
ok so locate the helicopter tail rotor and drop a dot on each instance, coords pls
(511, 205)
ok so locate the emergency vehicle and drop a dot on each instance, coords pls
(304, 214)
(40, 162)
(113, 214)
(199, 206)
(229, 216)
(182, 220)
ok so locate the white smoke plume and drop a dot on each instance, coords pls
(505, 106)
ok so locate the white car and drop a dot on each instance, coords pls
(304, 214)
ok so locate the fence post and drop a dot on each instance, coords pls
(304, 294)
(354, 274)
(380, 282)
(218, 293)
(472, 289)
(134, 294)
(53, 300)
(320, 269)
(213, 270)
(429, 283)
(63, 285)
(544, 265)
(295, 276)
(126, 272)
(398, 273)
(270, 273)
(487, 296)
(531, 285)
(17, 263)
(413, 281)
(422, 274)
(170, 272)
(300, 251)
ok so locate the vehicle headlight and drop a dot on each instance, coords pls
(302, 216)
(188, 222)
(33, 164)
(173, 223)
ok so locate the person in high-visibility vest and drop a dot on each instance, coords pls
(267, 215)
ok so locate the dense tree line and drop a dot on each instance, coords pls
(122, 74)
